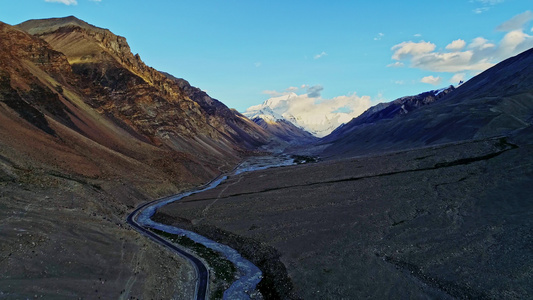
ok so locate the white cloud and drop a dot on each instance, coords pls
(480, 10)
(431, 80)
(449, 62)
(479, 55)
(397, 64)
(458, 78)
(320, 55)
(486, 5)
(417, 35)
(315, 114)
(273, 93)
(513, 43)
(490, 2)
(406, 49)
(517, 22)
(379, 36)
(66, 2)
(480, 43)
(287, 91)
(456, 45)
(257, 64)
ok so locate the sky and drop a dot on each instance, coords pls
(245, 52)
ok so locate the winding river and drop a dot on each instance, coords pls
(248, 274)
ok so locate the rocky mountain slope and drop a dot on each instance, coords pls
(494, 103)
(389, 110)
(117, 101)
(285, 131)
(87, 132)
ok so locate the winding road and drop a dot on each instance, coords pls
(202, 282)
(250, 275)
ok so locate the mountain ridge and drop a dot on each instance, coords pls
(496, 102)
(100, 56)
(389, 110)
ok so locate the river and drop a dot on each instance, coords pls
(248, 274)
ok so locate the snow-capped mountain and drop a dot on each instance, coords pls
(312, 114)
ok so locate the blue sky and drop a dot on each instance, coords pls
(244, 52)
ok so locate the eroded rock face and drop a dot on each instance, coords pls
(154, 103)
(85, 70)
(64, 75)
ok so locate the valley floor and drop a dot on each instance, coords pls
(451, 221)
(64, 239)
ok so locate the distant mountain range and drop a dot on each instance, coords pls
(65, 76)
(274, 116)
(497, 102)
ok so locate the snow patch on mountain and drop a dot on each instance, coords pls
(314, 114)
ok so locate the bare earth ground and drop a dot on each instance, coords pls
(451, 221)
(62, 239)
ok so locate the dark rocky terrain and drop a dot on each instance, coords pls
(389, 110)
(451, 221)
(442, 210)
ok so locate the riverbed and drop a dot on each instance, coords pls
(249, 275)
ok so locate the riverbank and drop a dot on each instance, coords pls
(248, 275)
(451, 221)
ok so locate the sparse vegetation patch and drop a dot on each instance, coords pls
(222, 270)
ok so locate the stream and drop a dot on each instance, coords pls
(248, 274)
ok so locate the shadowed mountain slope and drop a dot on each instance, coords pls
(497, 102)
(389, 110)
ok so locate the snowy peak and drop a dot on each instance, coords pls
(312, 114)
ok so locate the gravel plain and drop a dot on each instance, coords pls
(449, 221)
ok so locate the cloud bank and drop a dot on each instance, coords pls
(459, 56)
(309, 110)
(431, 80)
